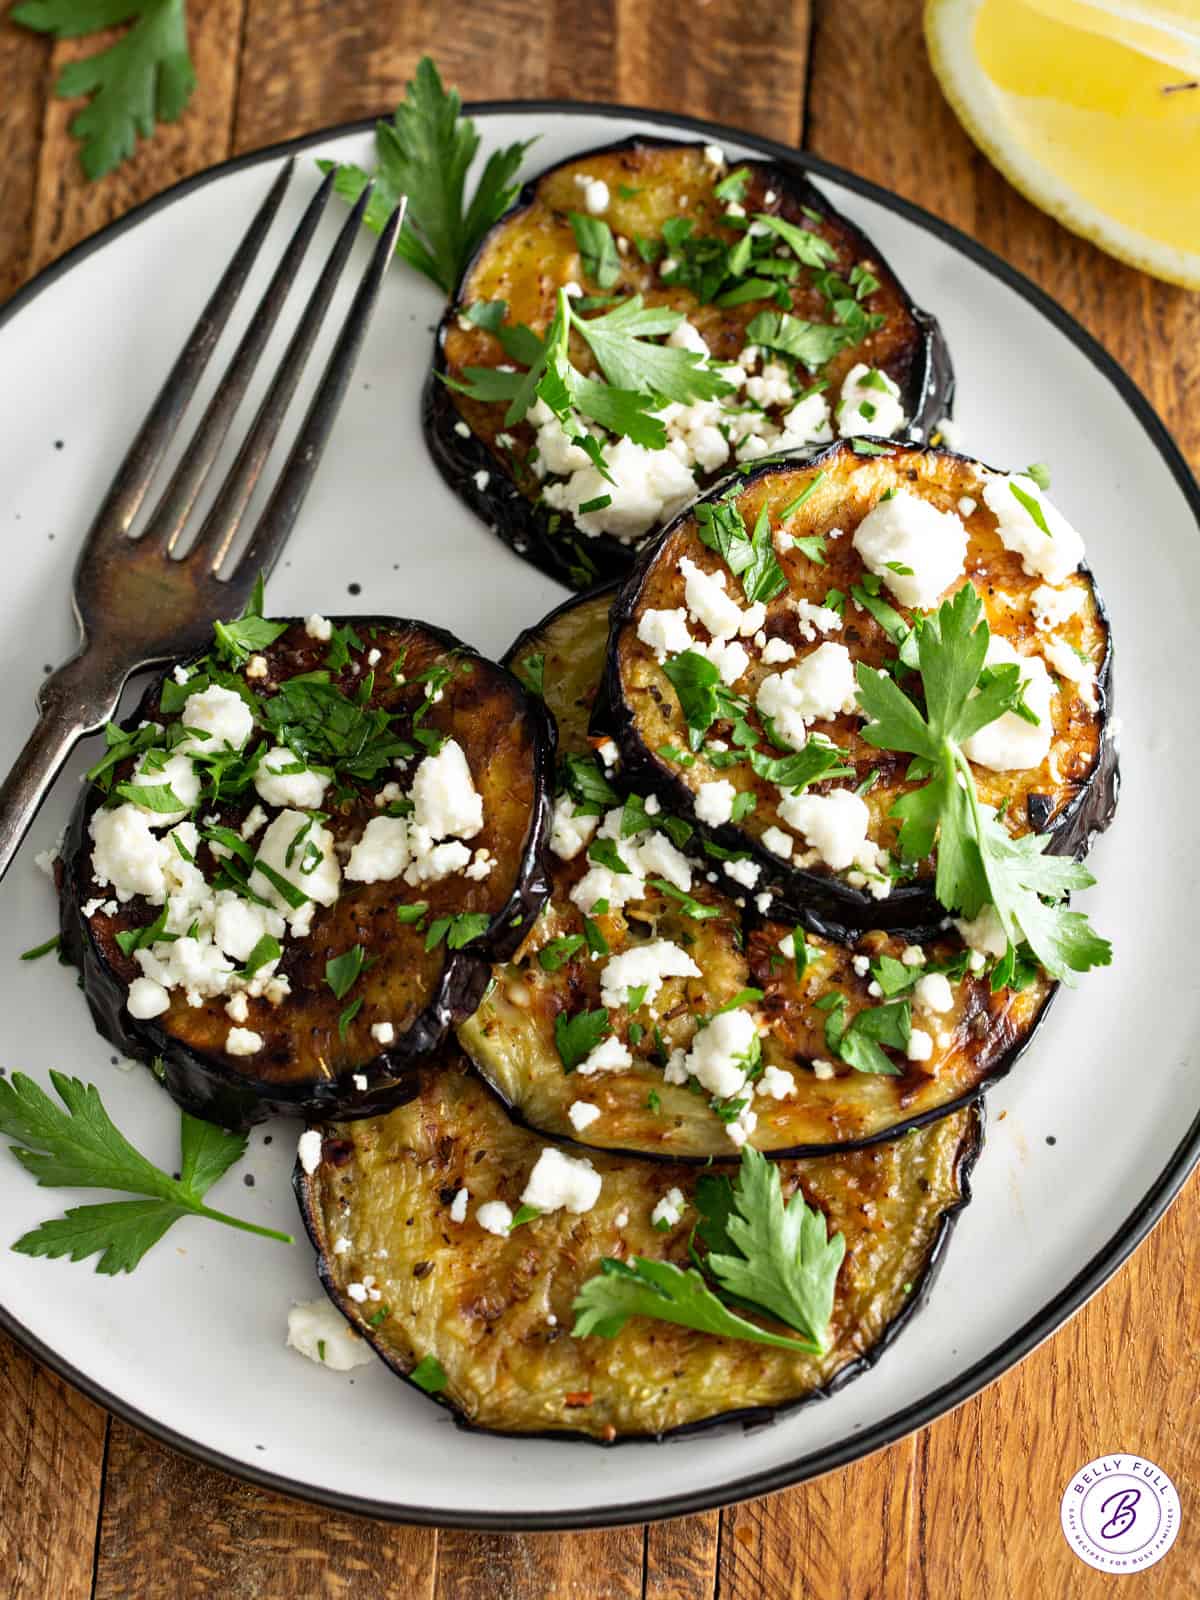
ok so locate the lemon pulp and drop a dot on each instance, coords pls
(1119, 126)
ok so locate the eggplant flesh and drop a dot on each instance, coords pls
(1071, 796)
(495, 1311)
(511, 1037)
(316, 1059)
(532, 252)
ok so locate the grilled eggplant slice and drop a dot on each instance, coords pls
(742, 959)
(1070, 794)
(333, 1019)
(647, 190)
(494, 1313)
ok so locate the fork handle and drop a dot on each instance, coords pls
(74, 700)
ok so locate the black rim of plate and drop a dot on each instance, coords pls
(1074, 1294)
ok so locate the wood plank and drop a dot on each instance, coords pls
(1110, 1383)
(843, 1537)
(51, 1467)
(745, 65)
(175, 1530)
(681, 1558)
(68, 208)
(24, 73)
(515, 1566)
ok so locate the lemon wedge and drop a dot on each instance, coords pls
(1091, 108)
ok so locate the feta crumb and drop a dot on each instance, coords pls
(778, 843)
(237, 1007)
(1052, 607)
(256, 667)
(834, 824)
(308, 1149)
(462, 430)
(775, 1084)
(870, 403)
(255, 818)
(912, 955)
(966, 506)
(644, 966)
(1009, 743)
(719, 1055)
(763, 902)
(714, 155)
(714, 801)
(243, 1042)
(482, 479)
(282, 780)
(927, 545)
(983, 933)
(745, 872)
(823, 1069)
(146, 999)
(582, 1113)
(569, 834)
(821, 685)
(933, 992)
(445, 800)
(595, 193)
(383, 1032)
(220, 718)
(861, 965)
(493, 1216)
(562, 1182)
(317, 1329)
(665, 632)
(318, 627)
(610, 1055)
(458, 1206)
(1053, 558)
(920, 1045)
(776, 651)
(669, 1211)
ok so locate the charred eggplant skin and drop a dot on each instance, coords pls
(820, 901)
(454, 1115)
(204, 1081)
(549, 539)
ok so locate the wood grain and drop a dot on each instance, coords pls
(968, 1508)
(174, 1530)
(67, 207)
(51, 1471)
(24, 75)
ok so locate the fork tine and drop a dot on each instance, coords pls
(224, 518)
(128, 488)
(288, 494)
(169, 516)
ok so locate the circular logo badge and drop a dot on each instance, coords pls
(1120, 1513)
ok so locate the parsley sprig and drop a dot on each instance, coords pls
(143, 77)
(425, 152)
(81, 1148)
(766, 1256)
(978, 861)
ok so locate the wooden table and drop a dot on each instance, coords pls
(970, 1506)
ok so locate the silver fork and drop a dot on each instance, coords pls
(136, 601)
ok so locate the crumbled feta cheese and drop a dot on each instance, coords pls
(458, 1206)
(493, 1216)
(243, 1042)
(146, 999)
(912, 955)
(644, 966)
(819, 686)
(317, 1329)
(482, 479)
(778, 843)
(595, 193)
(745, 872)
(1010, 743)
(1053, 558)
(870, 403)
(610, 1055)
(383, 1032)
(728, 656)
(823, 1069)
(1069, 665)
(608, 753)
(432, 862)
(308, 1150)
(582, 1113)
(177, 773)
(315, 873)
(569, 834)
(708, 602)
(560, 1182)
(720, 1054)
(237, 1007)
(381, 853)
(127, 854)
(928, 547)
(984, 933)
(462, 430)
(966, 505)
(647, 487)
(776, 651)
(775, 1084)
(357, 1292)
(665, 632)
(221, 720)
(444, 796)
(933, 992)
(861, 965)
(1052, 607)
(714, 801)
(255, 818)
(281, 779)
(920, 1045)
(482, 864)
(668, 1213)
(763, 902)
(238, 925)
(813, 619)
(834, 824)
(714, 155)
(257, 667)
(318, 627)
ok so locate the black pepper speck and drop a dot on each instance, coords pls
(354, 588)
(248, 1180)
(1050, 1139)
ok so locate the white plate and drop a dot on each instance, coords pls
(191, 1346)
